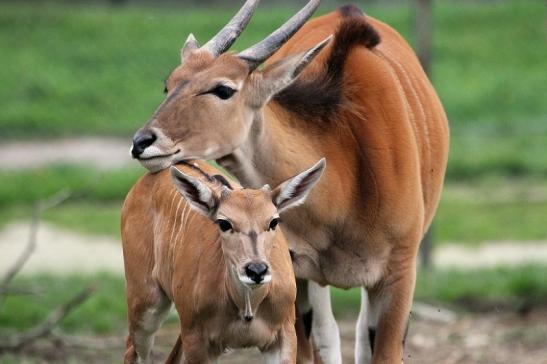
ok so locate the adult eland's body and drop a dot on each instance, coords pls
(345, 86)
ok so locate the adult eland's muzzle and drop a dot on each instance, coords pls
(142, 140)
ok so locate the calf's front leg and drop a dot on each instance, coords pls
(195, 349)
(146, 312)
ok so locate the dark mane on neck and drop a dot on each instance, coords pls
(319, 95)
(216, 179)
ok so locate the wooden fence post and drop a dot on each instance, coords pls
(424, 36)
(424, 32)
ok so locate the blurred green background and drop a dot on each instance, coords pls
(90, 68)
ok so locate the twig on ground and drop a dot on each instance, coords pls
(44, 329)
(90, 343)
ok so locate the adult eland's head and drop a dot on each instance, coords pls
(212, 97)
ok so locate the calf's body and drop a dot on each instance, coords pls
(173, 253)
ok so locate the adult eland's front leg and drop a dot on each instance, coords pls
(324, 332)
(364, 331)
(304, 314)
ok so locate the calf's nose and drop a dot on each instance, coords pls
(142, 140)
(256, 271)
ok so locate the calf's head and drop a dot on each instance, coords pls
(247, 219)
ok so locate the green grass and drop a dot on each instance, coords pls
(105, 311)
(28, 186)
(517, 152)
(478, 221)
(72, 70)
(492, 209)
(503, 288)
(89, 218)
(483, 69)
(93, 218)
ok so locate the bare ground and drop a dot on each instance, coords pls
(102, 153)
(492, 338)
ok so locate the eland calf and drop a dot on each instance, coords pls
(214, 250)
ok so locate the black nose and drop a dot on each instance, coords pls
(142, 140)
(256, 271)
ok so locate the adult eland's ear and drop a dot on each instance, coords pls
(295, 190)
(189, 46)
(198, 195)
(281, 74)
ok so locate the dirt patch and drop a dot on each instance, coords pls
(493, 338)
(62, 251)
(489, 254)
(101, 153)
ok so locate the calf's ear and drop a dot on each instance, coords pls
(295, 190)
(198, 195)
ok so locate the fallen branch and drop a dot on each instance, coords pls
(42, 206)
(16, 342)
(20, 291)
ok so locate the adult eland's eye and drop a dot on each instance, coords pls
(224, 225)
(273, 224)
(222, 91)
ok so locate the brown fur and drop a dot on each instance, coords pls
(188, 268)
(376, 118)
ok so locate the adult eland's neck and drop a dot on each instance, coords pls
(275, 150)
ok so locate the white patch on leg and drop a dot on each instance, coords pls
(363, 352)
(143, 337)
(325, 333)
(272, 356)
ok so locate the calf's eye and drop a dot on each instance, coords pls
(224, 225)
(274, 223)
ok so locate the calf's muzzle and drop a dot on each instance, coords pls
(256, 271)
